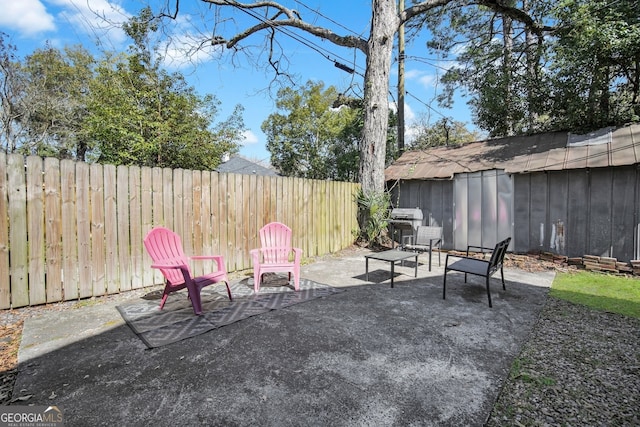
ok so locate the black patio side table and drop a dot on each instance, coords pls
(392, 256)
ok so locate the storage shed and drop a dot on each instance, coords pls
(559, 192)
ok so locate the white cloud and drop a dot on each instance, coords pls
(413, 74)
(425, 79)
(249, 138)
(411, 132)
(188, 44)
(30, 17)
(409, 115)
(186, 50)
(100, 19)
(428, 81)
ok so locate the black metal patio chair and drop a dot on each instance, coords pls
(478, 267)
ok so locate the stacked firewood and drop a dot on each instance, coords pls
(597, 263)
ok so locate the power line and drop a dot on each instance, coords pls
(300, 39)
(328, 19)
(428, 62)
(425, 104)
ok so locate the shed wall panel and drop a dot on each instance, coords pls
(483, 213)
(413, 197)
(623, 215)
(600, 189)
(434, 206)
(489, 211)
(504, 183)
(448, 214)
(474, 204)
(578, 213)
(558, 190)
(522, 213)
(538, 226)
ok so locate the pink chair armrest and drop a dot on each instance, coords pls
(168, 265)
(184, 269)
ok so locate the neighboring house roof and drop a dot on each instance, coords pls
(523, 154)
(237, 164)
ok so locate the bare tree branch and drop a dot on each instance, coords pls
(283, 18)
(496, 5)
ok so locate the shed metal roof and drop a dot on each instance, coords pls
(523, 154)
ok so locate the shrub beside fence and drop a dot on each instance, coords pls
(72, 230)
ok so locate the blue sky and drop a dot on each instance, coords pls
(93, 23)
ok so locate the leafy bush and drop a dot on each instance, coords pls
(373, 216)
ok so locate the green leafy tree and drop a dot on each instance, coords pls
(311, 139)
(317, 133)
(58, 93)
(596, 64)
(141, 114)
(443, 132)
(499, 64)
(582, 76)
(13, 84)
(44, 100)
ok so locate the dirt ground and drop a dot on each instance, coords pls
(12, 320)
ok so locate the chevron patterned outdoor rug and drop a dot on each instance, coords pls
(176, 321)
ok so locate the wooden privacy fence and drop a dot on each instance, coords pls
(71, 230)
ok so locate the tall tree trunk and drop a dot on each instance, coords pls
(507, 40)
(532, 51)
(384, 24)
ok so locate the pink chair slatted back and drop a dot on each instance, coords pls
(163, 245)
(275, 239)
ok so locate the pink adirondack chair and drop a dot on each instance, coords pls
(165, 248)
(276, 254)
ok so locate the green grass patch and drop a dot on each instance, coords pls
(606, 292)
(520, 371)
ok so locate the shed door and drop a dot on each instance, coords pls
(483, 208)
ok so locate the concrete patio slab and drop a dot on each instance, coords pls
(369, 356)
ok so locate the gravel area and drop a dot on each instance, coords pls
(580, 367)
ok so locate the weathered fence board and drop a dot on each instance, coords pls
(110, 229)
(123, 227)
(135, 229)
(35, 230)
(198, 235)
(146, 200)
(53, 230)
(70, 230)
(158, 189)
(207, 223)
(17, 197)
(5, 285)
(83, 206)
(98, 268)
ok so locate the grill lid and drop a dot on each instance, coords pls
(406, 213)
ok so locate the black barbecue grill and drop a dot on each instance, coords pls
(405, 221)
